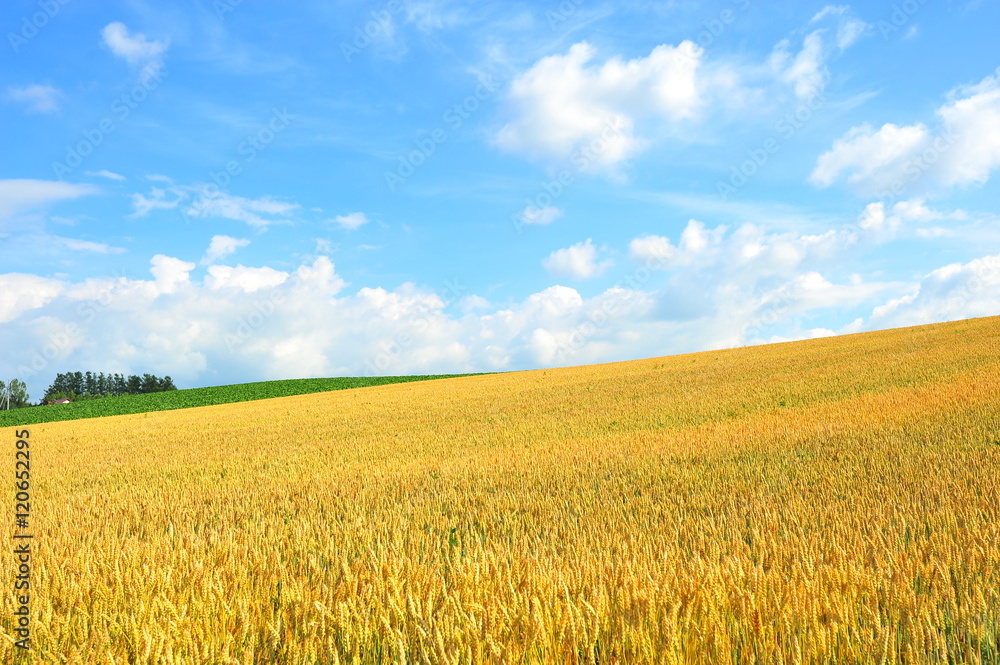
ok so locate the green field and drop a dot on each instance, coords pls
(185, 399)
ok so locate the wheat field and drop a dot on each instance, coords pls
(828, 501)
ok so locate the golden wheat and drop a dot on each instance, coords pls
(831, 501)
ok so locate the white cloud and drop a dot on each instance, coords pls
(805, 71)
(955, 291)
(259, 213)
(848, 29)
(865, 155)
(104, 173)
(142, 205)
(18, 196)
(207, 201)
(245, 279)
(535, 215)
(972, 115)
(873, 216)
(222, 246)
(885, 222)
(565, 107)
(578, 261)
(697, 244)
(88, 246)
(653, 247)
(21, 292)
(964, 150)
(170, 273)
(351, 221)
(248, 323)
(136, 49)
(849, 32)
(38, 98)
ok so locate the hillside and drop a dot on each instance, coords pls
(831, 500)
(195, 397)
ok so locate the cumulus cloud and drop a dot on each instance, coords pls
(244, 323)
(696, 243)
(653, 247)
(351, 221)
(955, 291)
(38, 98)
(222, 246)
(565, 104)
(871, 156)
(886, 220)
(578, 261)
(972, 115)
(21, 292)
(170, 273)
(963, 150)
(245, 279)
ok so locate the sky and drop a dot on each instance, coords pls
(225, 191)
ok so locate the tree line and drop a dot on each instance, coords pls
(14, 396)
(79, 386)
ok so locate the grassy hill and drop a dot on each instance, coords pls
(194, 397)
(827, 501)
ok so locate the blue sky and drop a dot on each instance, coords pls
(224, 191)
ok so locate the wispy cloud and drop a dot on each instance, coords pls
(137, 50)
(351, 221)
(37, 98)
(104, 173)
